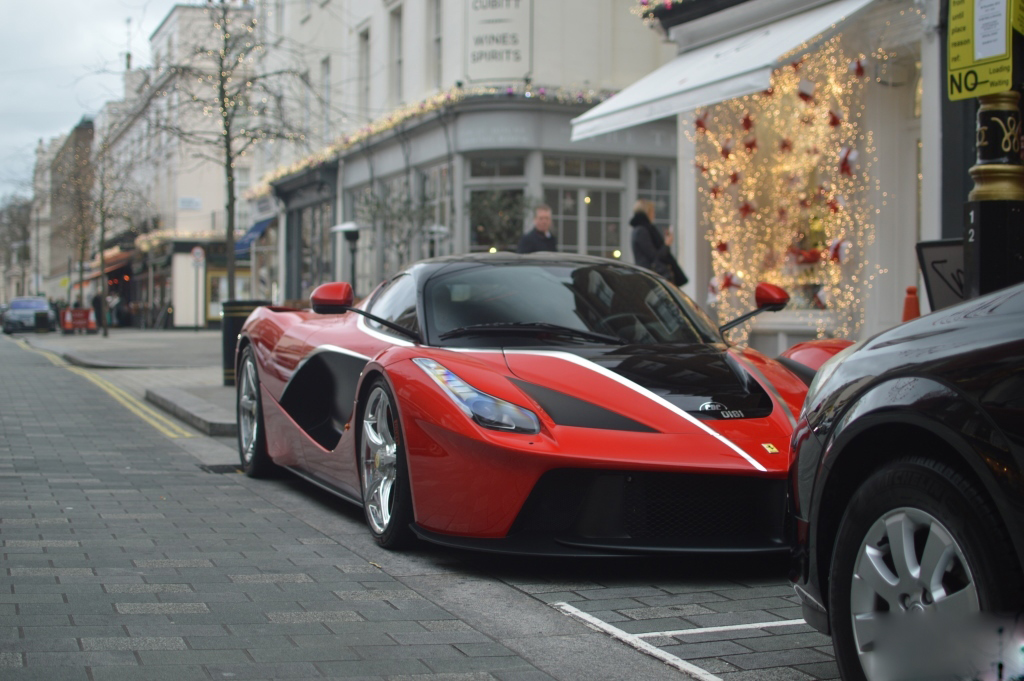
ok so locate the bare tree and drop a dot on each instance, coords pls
(220, 103)
(116, 200)
(15, 231)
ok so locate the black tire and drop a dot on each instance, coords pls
(944, 514)
(252, 436)
(383, 470)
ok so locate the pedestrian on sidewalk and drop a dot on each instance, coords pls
(651, 248)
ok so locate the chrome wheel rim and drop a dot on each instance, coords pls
(910, 574)
(247, 410)
(379, 460)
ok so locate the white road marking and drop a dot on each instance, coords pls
(731, 627)
(636, 642)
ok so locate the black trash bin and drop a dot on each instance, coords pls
(42, 321)
(235, 312)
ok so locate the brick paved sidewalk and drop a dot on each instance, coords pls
(122, 559)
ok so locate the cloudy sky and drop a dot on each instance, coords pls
(61, 60)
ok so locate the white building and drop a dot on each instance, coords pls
(429, 111)
(53, 284)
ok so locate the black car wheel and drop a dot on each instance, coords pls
(918, 547)
(387, 502)
(252, 437)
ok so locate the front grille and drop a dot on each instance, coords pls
(681, 510)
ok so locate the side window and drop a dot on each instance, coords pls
(396, 303)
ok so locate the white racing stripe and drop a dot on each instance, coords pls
(596, 368)
(638, 643)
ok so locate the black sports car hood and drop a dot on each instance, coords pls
(704, 380)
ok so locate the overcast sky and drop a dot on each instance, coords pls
(61, 60)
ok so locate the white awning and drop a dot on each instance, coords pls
(733, 67)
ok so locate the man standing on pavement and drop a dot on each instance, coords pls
(540, 237)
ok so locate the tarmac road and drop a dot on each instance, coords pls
(124, 559)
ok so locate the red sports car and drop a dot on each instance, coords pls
(547, 403)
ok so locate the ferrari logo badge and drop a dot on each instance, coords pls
(770, 448)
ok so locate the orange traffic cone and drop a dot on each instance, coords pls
(911, 305)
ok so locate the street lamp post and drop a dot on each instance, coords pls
(351, 232)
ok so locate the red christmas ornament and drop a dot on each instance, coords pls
(747, 209)
(834, 119)
(722, 247)
(731, 280)
(750, 144)
(727, 148)
(806, 91)
(857, 68)
(701, 124)
(847, 159)
(796, 64)
(702, 167)
(786, 145)
(783, 215)
(748, 122)
(839, 250)
(735, 177)
(715, 192)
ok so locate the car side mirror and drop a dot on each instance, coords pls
(768, 297)
(332, 298)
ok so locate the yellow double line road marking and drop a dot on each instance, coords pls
(129, 401)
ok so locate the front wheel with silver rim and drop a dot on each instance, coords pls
(383, 471)
(917, 556)
(252, 438)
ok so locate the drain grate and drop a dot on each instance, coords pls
(222, 468)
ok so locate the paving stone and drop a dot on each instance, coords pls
(134, 643)
(777, 658)
(160, 608)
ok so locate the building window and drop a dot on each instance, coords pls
(586, 220)
(325, 81)
(395, 95)
(498, 166)
(559, 166)
(363, 75)
(436, 201)
(496, 218)
(434, 39)
(654, 182)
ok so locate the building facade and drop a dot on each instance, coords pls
(443, 122)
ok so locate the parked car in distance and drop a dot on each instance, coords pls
(21, 315)
(545, 404)
(908, 493)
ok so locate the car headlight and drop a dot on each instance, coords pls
(486, 410)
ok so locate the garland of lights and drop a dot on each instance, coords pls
(398, 116)
(784, 184)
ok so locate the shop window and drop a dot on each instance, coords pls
(654, 182)
(600, 212)
(496, 219)
(559, 166)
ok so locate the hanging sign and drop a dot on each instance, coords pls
(980, 54)
(499, 40)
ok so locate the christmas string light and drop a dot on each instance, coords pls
(785, 187)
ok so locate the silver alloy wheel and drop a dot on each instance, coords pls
(910, 569)
(379, 460)
(248, 418)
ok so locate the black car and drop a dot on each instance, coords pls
(908, 490)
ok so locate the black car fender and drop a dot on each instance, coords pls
(911, 415)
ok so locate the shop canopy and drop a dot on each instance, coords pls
(735, 66)
(245, 242)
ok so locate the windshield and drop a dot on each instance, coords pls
(28, 304)
(598, 300)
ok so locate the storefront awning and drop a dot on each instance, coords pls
(733, 67)
(245, 242)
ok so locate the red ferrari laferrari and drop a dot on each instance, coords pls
(544, 404)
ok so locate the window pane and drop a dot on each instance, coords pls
(594, 231)
(551, 198)
(612, 170)
(512, 167)
(572, 167)
(612, 203)
(592, 168)
(644, 179)
(552, 165)
(496, 219)
(661, 179)
(569, 235)
(594, 208)
(483, 167)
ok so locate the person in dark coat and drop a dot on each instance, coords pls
(651, 249)
(540, 237)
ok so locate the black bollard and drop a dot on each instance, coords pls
(235, 312)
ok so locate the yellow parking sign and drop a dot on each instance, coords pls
(980, 46)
